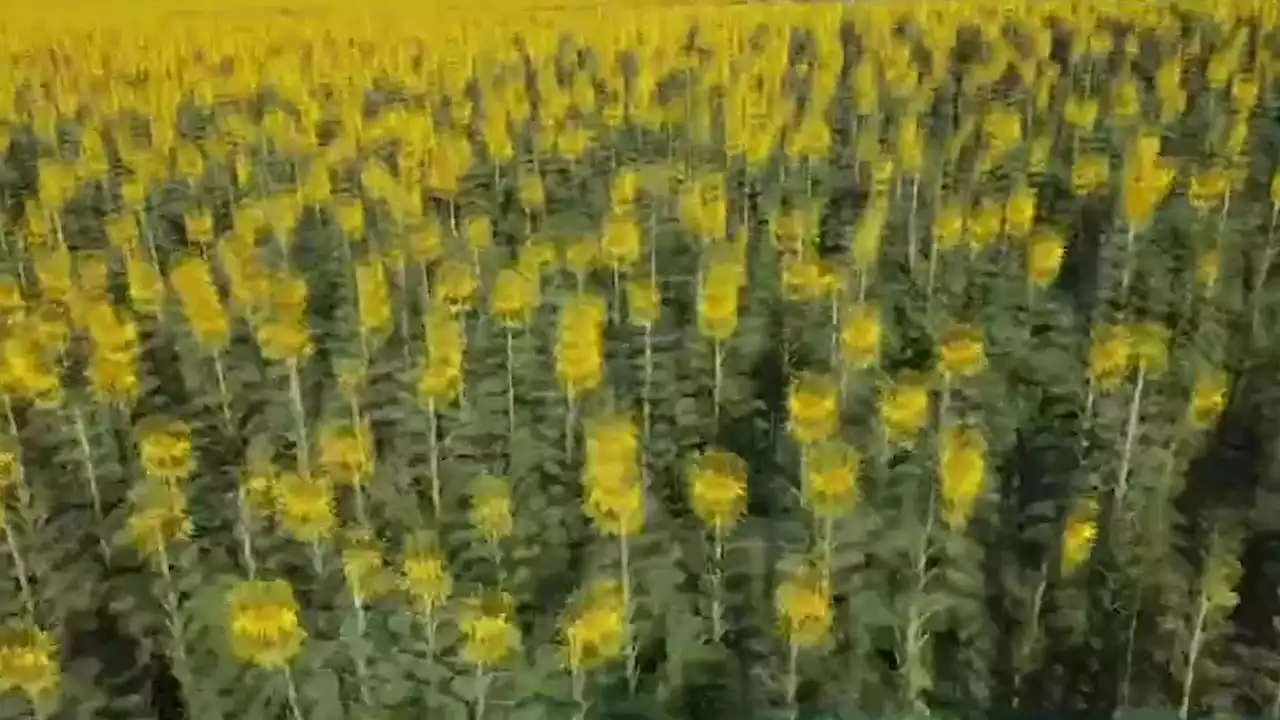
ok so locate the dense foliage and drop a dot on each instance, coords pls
(651, 362)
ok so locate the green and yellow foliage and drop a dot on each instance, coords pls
(662, 360)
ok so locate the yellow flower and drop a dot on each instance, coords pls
(455, 284)
(514, 298)
(349, 212)
(531, 193)
(813, 408)
(1208, 268)
(285, 335)
(441, 377)
(718, 302)
(478, 231)
(1150, 347)
(536, 256)
(1079, 535)
(165, 451)
(10, 467)
(263, 622)
(579, 345)
(200, 227)
(962, 353)
(28, 660)
(866, 234)
(985, 223)
(159, 517)
(581, 255)
(1090, 173)
(644, 303)
(193, 283)
(426, 243)
(258, 477)
(718, 488)
(801, 278)
(146, 288)
(948, 226)
(1208, 398)
(424, 575)
(1208, 188)
(346, 453)
(830, 483)
(373, 298)
(363, 565)
(962, 470)
(304, 507)
(1020, 211)
(1109, 355)
(488, 627)
(803, 603)
(860, 335)
(26, 374)
(904, 407)
(1044, 257)
(620, 242)
(595, 631)
(616, 510)
(491, 508)
(614, 498)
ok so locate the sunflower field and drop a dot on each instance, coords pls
(669, 360)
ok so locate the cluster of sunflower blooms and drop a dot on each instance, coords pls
(261, 134)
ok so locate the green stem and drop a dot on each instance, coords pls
(20, 567)
(291, 688)
(793, 680)
(511, 390)
(717, 377)
(1130, 437)
(646, 405)
(224, 396)
(1193, 654)
(246, 536)
(91, 477)
(482, 690)
(624, 548)
(579, 693)
(717, 582)
(434, 450)
(359, 657)
(570, 421)
(303, 450)
(176, 627)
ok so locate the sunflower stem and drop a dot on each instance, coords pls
(303, 450)
(1193, 654)
(629, 650)
(646, 410)
(359, 655)
(91, 477)
(511, 389)
(717, 582)
(246, 536)
(482, 690)
(224, 396)
(434, 452)
(793, 680)
(570, 420)
(291, 689)
(177, 627)
(1130, 437)
(579, 693)
(717, 378)
(20, 567)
